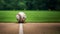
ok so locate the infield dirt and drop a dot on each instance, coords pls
(30, 28)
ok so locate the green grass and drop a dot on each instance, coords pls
(32, 16)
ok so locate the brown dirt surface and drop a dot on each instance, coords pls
(30, 28)
(9, 28)
(42, 28)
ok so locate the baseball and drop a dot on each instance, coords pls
(21, 17)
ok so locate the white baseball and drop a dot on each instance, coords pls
(22, 14)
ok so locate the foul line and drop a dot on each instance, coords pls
(20, 28)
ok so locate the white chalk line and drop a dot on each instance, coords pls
(20, 28)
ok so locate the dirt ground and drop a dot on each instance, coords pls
(30, 28)
(9, 28)
(42, 28)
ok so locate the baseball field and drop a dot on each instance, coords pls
(37, 22)
(32, 16)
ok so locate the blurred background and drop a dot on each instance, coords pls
(29, 4)
(36, 10)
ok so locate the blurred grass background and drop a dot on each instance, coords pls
(32, 16)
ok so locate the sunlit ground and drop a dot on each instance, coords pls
(30, 28)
